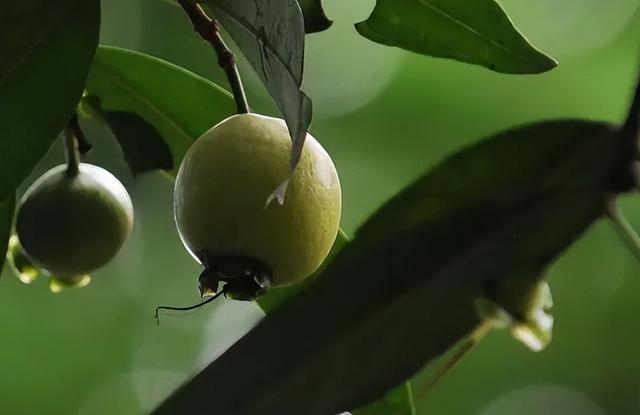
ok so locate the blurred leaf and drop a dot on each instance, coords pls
(406, 288)
(477, 32)
(45, 53)
(6, 219)
(143, 148)
(315, 19)
(180, 105)
(271, 36)
(397, 402)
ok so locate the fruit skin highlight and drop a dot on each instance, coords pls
(221, 191)
(72, 225)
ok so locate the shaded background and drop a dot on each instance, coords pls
(386, 116)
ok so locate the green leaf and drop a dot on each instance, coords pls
(397, 402)
(315, 19)
(6, 218)
(143, 148)
(407, 287)
(45, 52)
(180, 105)
(271, 36)
(477, 32)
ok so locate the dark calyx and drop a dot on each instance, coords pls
(245, 279)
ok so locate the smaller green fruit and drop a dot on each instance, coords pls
(72, 225)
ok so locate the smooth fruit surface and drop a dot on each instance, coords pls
(71, 226)
(221, 192)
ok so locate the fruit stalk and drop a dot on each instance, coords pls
(209, 30)
(83, 144)
(73, 155)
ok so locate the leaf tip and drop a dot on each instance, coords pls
(544, 63)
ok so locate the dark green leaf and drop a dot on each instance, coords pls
(45, 52)
(271, 36)
(408, 286)
(177, 103)
(143, 148)
(397, 402)
(6, 219)
(315, 19)
(477, 32)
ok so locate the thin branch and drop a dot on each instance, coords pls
(478, 334)
(209, 30)
(626, 232)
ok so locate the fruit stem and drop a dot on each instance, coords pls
(83, 144)
(209, 30)
(73, 155)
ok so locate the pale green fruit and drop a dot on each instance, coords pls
(72, 225)
(222, 188)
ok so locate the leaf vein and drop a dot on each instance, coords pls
(469, 28)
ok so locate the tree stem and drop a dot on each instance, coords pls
(209, 30)
(626, 232)
(73, 155)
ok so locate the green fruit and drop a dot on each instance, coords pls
(72, 225)
(220, 201)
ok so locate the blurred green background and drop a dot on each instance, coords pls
(386, 116)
